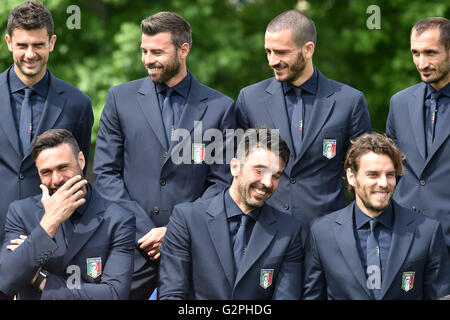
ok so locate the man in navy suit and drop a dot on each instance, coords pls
(68, 242)
(316, 116)
(203, 255)
(375, 248)
(50, 103)
(418, 122)
(139, 159)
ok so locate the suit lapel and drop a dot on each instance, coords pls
(262, 236)
(344, 234)
(441, 134)
(52, 109)
(61, 250)
(85, 228)
(323, 104)
(193, 111)
(148, 102)
(276, 108)
(6, 116)
(220, 235)
(402, 237)
(416, 116)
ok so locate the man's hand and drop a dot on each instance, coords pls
(16, 242)
(59, 206)
(151, 242)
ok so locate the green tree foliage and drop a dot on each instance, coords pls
(228, 43)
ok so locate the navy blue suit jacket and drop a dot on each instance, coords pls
(104, 231)
(424, 187)
(67, 108)
(312, 184)
(333, 267)
(133, 163)
(197, 257)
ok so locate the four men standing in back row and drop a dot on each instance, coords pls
(138, 141)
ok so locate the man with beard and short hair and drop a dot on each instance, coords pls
(68, 242)
(33, 100)
(418, 122)
(235, 246)
(375, 248)
(138, 139)
(316, 116)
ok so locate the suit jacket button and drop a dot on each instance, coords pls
(21, 176)
(286, 206)
(165, 154)
(155, 210)
(413, 208)
(422, 182)
(162, 182)
(292, 180)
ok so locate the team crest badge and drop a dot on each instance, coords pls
(407, 281)
(329, 148)
(94, 267)
(198, 152)
(265, 278)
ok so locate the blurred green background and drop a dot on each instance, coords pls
(228, 43)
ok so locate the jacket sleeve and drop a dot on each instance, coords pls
(109, 163)
(219, 176)
(175, 266)
(437, 272)
(84, 130)
(288, 285)
(18, 267)
(360, 121)
(116, 276)
(314, 281)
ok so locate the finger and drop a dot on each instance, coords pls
(78, 186)
(156, 256)
(23, 237)
(69, 183)
(74, 205)
(148, 243)
(11, 247)
(16, 241)
(45, 192)
(78, 195)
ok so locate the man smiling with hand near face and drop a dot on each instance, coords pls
(33, 100)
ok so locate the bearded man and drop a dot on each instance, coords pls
(316, 116)
(134, 162)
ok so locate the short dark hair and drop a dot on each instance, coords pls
(302, 27)
(376, 143)
(53, 138)
(30, 15)
(442, 24)
(268, 139)
(166, 21)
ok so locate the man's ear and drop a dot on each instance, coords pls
(235, 167)
(350, 177)
(184, 50)
(81, 160)
(308, 50)
(52, 43)
(9, 42)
